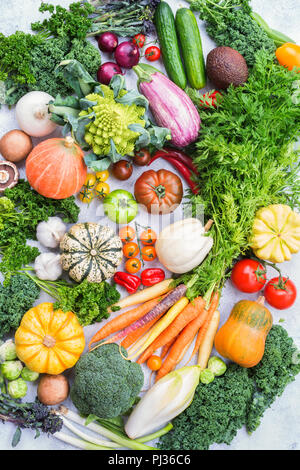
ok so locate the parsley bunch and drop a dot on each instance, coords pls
(246, 159)
(72, 23)
(16, 57)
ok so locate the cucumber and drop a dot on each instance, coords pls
(191, 47)
(166, 32)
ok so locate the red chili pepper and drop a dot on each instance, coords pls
(183, 170)
(210, 99)
(129, 281)
(152, 276)
(179, 155)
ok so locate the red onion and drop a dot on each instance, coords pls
(127, 54)
(107, 71)
(108, 42)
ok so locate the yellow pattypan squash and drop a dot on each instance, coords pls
(276, 233)
(49, 341)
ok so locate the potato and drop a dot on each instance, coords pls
(15, 145)
(53, 389)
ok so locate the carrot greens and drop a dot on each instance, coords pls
(246, 159)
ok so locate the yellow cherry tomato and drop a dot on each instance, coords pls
(102, 176)
(101, 190)
(86, 195)
(90, 181)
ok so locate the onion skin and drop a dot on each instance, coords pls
(15, 145)
(108, 42)
(127, 54)
(53, 389)
(107, 71)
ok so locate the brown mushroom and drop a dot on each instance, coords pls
(9, 175)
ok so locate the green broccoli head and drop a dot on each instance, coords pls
(106, 384)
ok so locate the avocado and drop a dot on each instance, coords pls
(225, 66)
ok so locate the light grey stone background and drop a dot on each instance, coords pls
(280, 428)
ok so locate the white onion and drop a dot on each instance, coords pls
(32, 114)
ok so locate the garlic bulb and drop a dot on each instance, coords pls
(51, 232)
(47, 266)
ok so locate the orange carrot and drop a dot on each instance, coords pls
(185, 338)
(166, 348)
(202, 332)
(191, 311)
(136, 334)
(123, 320)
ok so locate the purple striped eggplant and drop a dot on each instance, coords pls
(170, 105)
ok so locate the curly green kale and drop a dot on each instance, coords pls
(240, 397)
(217, 411)
(106, 384)
(45, 57)
(15, 299)
(229, 23)
(280, 365)
(89, 301)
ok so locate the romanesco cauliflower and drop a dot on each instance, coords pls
(112, 123)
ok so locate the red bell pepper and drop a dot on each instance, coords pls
(129, 281)
(152, 276)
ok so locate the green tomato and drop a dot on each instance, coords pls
(8, 351)
(206, 376)
(29, 375)
(17, 388)
(217, 366)
(11, 370)
(120, 206)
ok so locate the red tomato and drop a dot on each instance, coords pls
(280, 292)
(139, 39)
(248, 275)
(152, 53)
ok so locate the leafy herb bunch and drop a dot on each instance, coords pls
(246, 159)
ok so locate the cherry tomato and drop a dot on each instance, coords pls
(101, 190)
(122, 170)
(152, 53)
(133, 265)
(154, 362)
(127, 234)
(280, 292)
(86, 195)
(102, 176)
(148, 237)
(130, 250)
(90, 181)
(288, 55)
(142, 157)
(248, 275)
(148, 253)
(139, 40)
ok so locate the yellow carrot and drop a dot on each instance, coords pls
(208, 340)
(162, 324)
(144, 295)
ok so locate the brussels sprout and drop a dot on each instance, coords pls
(29, 375)
(17, 388)
(11, 370)
(217, 366)
(8, 351)
(206, 376)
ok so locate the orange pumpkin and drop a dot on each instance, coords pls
(55, 168)
(242, 338)
(49, 341)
